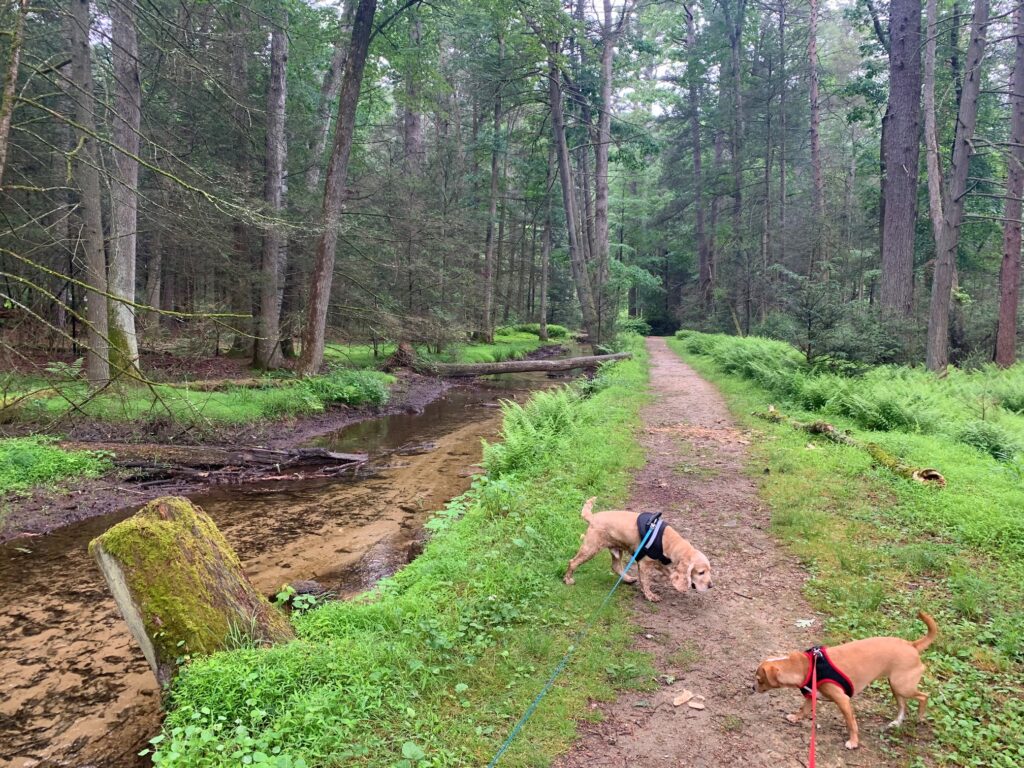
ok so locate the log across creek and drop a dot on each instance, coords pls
(520, 366)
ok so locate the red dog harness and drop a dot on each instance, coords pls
(826, 672)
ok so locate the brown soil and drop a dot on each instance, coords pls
(711, 644)
(45, 510)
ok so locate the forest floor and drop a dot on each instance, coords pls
(697, 474)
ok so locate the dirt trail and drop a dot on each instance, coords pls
(712, 643)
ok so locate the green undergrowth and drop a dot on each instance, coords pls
(437, 663)
(983, 408)
(879, 547)
(510, 343)
(276, 399)
(28, 462)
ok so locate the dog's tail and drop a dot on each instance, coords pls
(933, 632)
(587, 507)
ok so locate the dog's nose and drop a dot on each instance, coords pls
(711, 586)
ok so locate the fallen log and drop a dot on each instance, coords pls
(890, 461)
(519, 366)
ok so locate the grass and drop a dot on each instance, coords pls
(234, 405)
(435, 665)
(879, 547)
(511, 343)
(27, 462)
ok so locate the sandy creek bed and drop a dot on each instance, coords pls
(74, 688)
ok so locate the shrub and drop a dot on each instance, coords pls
(635, 325)
(351, 387)
(990, 438)
(554, 331)
(30, 461)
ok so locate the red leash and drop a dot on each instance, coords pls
(814, 709)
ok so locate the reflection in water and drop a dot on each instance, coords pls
(74, 688)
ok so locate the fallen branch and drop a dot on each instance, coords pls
(216, 464)
(890, 461)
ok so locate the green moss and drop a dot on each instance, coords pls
(172, 553)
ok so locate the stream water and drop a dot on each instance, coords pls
(75, 689)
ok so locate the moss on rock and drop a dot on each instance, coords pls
(178, 582)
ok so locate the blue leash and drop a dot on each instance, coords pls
(568, 654)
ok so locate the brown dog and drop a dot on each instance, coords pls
(617, 532)
(860, 663)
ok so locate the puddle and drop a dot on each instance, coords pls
(74, 688)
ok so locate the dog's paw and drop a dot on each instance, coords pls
(851, 744)
(794, 718)
(569, 580)
(629, 579)
(653, 597)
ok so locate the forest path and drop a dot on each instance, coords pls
(712, 643)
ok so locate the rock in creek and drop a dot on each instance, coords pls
(180, 586)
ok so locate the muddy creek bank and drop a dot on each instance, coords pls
(74, 688)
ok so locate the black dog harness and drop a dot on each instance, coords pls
(652, 549)
(827, 672)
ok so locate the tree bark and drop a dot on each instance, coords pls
(705, 284)
(334, 191)
(1009, 270)
(900, 156)
(90, 204)
(124, 189)
(817, 249)
(268, 334)
(492, 209)
(11, 82)
(954, 191)
(329, 89)
(578, 267)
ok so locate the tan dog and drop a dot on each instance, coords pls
(861, 663)
(616, 531)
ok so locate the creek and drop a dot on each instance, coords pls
(75, 689)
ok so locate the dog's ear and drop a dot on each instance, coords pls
(771, 674)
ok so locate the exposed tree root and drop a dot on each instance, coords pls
(890, 461)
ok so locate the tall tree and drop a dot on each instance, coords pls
(11, 80)
(90, 204)
(576, 260)
(334, 191)
(900, 156)
(947, 213)
(816, 170)
(329, 89)
(1009, 269)
(704, 271)
(492, 205)
(124, 189)
(267, 350)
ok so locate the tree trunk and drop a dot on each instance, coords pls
(818, 245)
(545, 246)
(900, 153)
(1009, 270)
(576, 263)
(124, 189)
(90, 204)
(268, 349)
(522, 366)
(11, 82)
(954, 191)
(328, 94)
(781, 239)
(492, 210)
(705, 285)
(334, 191)
(179, 585)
